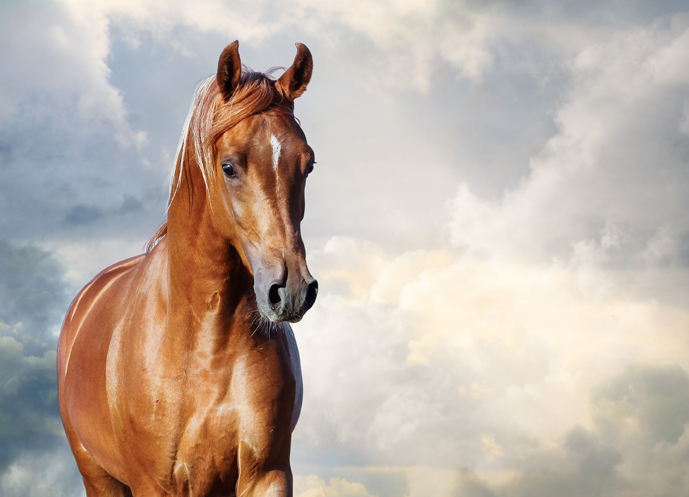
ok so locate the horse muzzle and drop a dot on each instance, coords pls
(285, 295)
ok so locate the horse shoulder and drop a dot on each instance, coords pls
(85, 301)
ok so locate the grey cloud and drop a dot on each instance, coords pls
(83, 214)
(33, 299)
(69, 152)
(42, 473)
(29, 418)
(5, 154)
(43, 192)
(33, 296)
(470, 485)
(607, 192)
(593, 458)
(131, 204)
(656, 398)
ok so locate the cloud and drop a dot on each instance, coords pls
(405, 40)
(28, 416)
(653, 401)
(48, 473)
(483, 354)
(312, 486)
(434, 349)
(56, 60)
(32, 303)
(619, 150)
(33, 296)
(633, 458)
(69, 150)
(410, 34)
(480, 350)
(592, 457)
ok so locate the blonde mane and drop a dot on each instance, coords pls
(209, 117)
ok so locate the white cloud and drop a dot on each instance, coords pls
(485, 353)
(410, 32)
(461, 348)
(407, 36)
(617, 162)
(430, 482)
(84, 260)
(55, 60)
(312, 486)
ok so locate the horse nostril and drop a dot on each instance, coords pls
(274, 295)
(311, 294)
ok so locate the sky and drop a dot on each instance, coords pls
(497, 220)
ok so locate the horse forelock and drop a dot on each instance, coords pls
(208, 118)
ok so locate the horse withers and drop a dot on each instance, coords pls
(178, 371)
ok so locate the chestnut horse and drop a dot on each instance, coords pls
(178, 373)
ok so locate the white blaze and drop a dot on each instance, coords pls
(276, 150)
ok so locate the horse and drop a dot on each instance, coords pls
(178, 371)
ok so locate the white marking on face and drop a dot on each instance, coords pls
(276, 150)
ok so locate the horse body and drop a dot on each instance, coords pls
(178, 373)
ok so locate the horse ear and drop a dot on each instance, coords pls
(229, 69)
(293, 83)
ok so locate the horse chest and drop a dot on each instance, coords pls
(210, 409)
(209, 441)
(208, 450)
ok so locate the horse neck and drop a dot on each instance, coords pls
(204, 269)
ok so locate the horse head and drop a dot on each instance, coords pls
(261, 163)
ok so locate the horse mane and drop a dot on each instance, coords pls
(209, 117)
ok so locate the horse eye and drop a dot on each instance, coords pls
(229, 170)
(309, 169)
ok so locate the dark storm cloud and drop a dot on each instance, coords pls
(33, 300)
(28, 401)
(33, 297)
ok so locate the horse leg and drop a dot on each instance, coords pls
(275, 483)
(259, 477)
(97, 481)
(105, 486)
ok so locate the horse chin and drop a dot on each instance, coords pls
(270, 315)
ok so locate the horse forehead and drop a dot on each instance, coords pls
(279, 139)
(283, 129)
(264, 126)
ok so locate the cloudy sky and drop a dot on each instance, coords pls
(498, 222)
